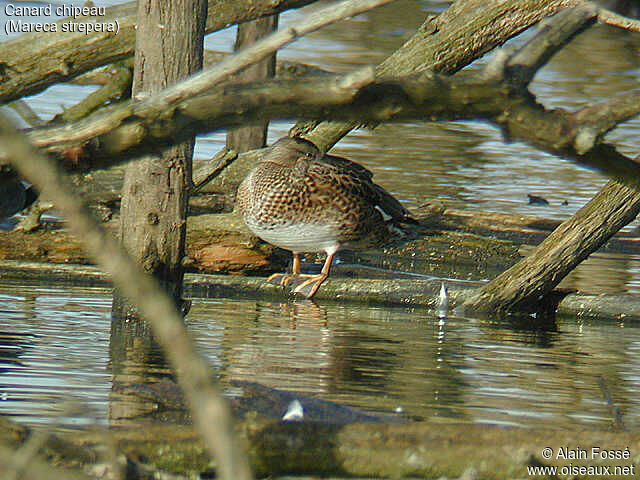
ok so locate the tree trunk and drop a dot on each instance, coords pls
(169, 46)
(244, 139)
(524, 286)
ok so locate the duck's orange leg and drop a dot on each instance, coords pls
(284, 278)
(310, 286)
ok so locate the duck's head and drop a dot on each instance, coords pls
(287, 151)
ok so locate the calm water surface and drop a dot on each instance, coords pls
(58, 366)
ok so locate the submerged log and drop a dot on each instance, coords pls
(412, 291)
(421, 449)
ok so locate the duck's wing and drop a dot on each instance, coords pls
(346, 166)
(337, 172)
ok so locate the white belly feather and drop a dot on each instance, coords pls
(299, 237)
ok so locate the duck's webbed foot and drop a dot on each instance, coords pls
(284, 279)
(310, 286)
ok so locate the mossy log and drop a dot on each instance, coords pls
(447, 244)
(373, 450)
(405, 292)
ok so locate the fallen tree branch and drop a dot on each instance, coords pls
(445, 44)
(32, 62)
(116, 88)
(128, 130)
(285, 69)
(552, 34)
(212, 168)
(27, 114)
(261, 49)
(524, 286)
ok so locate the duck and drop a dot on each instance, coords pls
(302, 200)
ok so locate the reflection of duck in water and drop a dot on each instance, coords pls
(15, 194)
(301, 200)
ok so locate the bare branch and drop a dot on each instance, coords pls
(615, 20)
(552, 35)
(208, 406)
(32, 62)
(605, 116)
(212, 168)
(265, 47)
(23, 109)
(464, 32)
(119, 83)
(129, 130)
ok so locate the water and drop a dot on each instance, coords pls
(57, 353)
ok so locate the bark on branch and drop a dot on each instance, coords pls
(33, 62)
(131, 129)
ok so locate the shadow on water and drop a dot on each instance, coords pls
(380, 363)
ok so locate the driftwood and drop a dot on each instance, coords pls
(131, 128)
(384, 292)
(523, 286)
(117, 88)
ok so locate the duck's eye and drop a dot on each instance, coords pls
(309, 154)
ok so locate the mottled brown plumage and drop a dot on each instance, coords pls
(301, 200)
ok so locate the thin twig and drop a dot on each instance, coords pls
(265, 47)
(552, 35)
(23, 109)
(119, 83)
(616, 20)
(211, 413)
